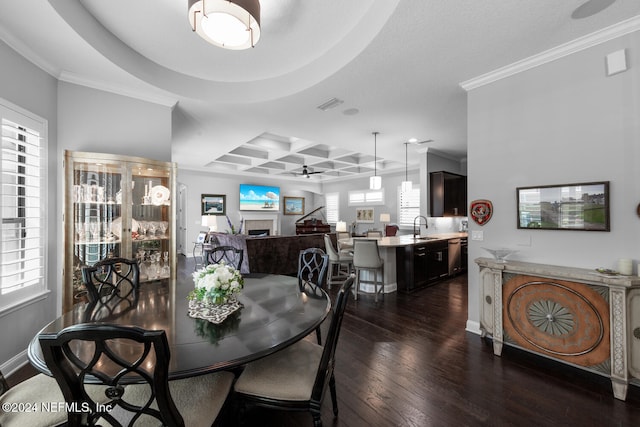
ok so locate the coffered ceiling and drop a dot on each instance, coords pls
(393, 66)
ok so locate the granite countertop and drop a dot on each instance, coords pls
(408, 240)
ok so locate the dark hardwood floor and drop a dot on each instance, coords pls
(407, 361)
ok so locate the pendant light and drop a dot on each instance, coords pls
(375, 182)
(406, 185)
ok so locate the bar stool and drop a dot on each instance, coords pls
(337, 260)
(366, 256)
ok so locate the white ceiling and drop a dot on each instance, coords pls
(396, 65)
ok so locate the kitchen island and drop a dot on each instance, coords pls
(400, 253)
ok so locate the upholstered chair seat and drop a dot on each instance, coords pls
(38, 390)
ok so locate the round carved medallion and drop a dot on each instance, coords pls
(553, 318)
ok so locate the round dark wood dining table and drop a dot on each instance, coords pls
(274, 315)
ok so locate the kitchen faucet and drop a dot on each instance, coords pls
(416, 232)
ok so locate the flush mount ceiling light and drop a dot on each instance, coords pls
(230, 24)
(406, 185)
(375, 182)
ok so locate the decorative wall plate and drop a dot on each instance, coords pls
(481, 211)
(159, 195)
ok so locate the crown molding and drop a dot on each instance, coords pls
(68, 77)
(29, 54)
(609, 33)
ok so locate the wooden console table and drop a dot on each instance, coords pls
(572, 315)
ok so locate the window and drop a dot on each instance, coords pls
(22, 254)
(332, 202)
(366, 197)
(408, 206)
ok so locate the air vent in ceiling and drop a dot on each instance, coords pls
(332, 103)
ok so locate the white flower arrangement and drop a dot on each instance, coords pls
(216, 283)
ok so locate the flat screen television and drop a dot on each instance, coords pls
(259, 198)
(583, 206)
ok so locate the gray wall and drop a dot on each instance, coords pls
(559, 123)
(97, 121)
(30, 88)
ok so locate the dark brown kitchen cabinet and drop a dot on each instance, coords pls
(422, 264)
(448, 194)
(411, 267)
(437, 261)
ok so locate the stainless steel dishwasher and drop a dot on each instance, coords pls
(455, 257)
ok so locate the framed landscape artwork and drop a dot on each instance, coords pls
(259, 198)
(213, 204)
(364, 215)
(293, 205)
(582, 206)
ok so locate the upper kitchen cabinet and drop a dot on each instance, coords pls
(117, 206)
(448, 194)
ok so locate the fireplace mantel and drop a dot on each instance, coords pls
(261, 221)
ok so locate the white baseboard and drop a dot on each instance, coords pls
(473, 327)
(15, 363)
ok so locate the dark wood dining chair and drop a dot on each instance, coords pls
(33, 393)
(296, 378)
(112, 280)
(312, 269)
(133, 365)
(231, 255)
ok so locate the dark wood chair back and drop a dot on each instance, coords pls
(327, 362)
(112, 280)
(117, 355)
(3, 384)
(312, 269)
(229, 254)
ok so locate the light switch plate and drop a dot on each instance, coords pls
(477, 235)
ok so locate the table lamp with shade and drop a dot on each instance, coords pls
(385, 218)
(210, 221)
(341, 226)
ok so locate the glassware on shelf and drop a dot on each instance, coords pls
(152, 228)
(94, 229)
(80, 231)
(96, 185)
(501, 254)
(164, 225)
(143, 227)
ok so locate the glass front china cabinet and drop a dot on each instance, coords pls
(117, 206)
